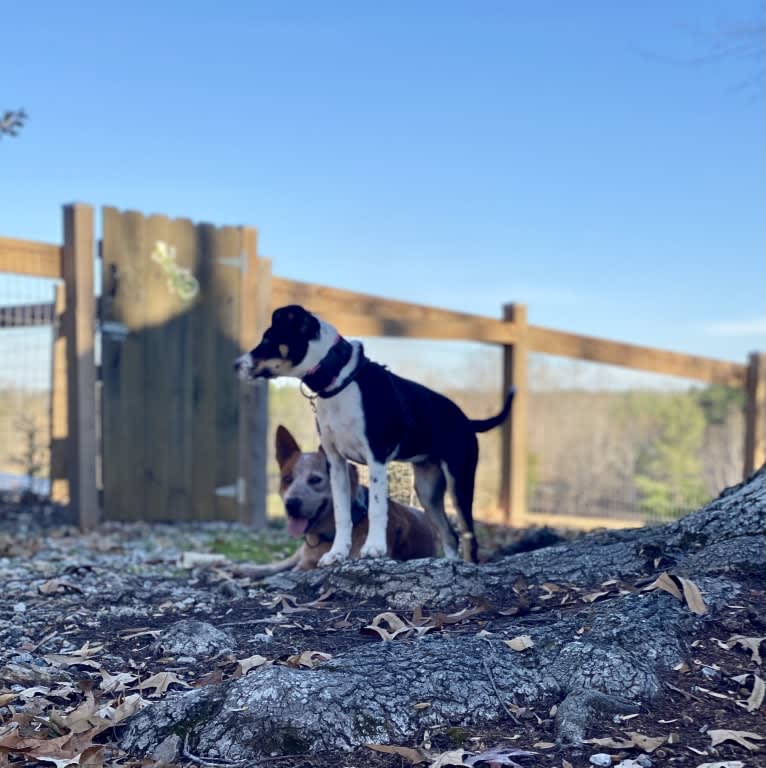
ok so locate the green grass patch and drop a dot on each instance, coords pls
(261, 547)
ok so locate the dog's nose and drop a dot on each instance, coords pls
(293, 507)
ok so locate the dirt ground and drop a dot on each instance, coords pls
(85, 622)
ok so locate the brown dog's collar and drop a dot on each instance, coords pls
(359, 507)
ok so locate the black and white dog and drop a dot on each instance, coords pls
(369, 415)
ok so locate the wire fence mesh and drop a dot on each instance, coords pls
(26, 317)
(625, 445)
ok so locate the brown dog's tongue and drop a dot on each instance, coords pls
(296, 526)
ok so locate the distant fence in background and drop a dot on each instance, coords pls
(75, 440)
(27, 324)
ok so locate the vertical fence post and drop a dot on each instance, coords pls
(78, 328)
(755, 413)
(513, 485)
(254, 396)
(58, 421)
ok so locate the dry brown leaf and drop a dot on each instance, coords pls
(114, 683)
(693, 596)
(52, 586)
(566, 764)
(413, 756)
(128, 707)
(452, 758)
(388, 626)
(251, 662)
(92, 757)
(81, 657)
(544, 744)
(63, 747)
(755, 700)
(743, 738)
(520, 642)
(308, 659)
(592, 596)
(7, 698)
(665, 582)
(497, 756)
(81, 719)
(161, 682)
(647, 743)
(611, 743)
(421, 705)
(756, 697)
(751, 643)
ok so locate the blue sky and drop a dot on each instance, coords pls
(602, 161)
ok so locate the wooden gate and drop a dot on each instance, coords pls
(181, 441)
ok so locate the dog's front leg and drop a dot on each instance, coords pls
(375, 545)
(341, 500)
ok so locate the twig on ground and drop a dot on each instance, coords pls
(497, 692)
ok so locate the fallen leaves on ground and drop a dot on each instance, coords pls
(684, 590)
(308, 659)
(752, 644)
(520, 643)
(745, 739)
(160, 683)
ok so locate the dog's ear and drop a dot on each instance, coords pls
(295, 317)
(285, 445)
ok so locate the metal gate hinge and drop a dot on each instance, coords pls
(235, 491)
(238, 262)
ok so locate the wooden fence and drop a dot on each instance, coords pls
(74, 443)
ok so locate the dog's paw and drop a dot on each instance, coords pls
(331, 558)
(372, 549)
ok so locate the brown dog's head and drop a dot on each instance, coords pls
(284, 345)
(304, 486)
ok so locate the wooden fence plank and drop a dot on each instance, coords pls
(254, 396)
(26, 257)
(59, 416)
(755, 414)
(255, 310)
(179, 347)
(227, 280)
(159, 367)
(513, 480)
(204, 378)
(79, 321)
(125, 258)
(552, 342)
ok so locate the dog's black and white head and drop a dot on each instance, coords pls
(292, 346)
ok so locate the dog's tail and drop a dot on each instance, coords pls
(484, 425)
(254, 571)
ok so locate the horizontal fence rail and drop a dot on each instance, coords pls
(362, 314)
(27, 257)
(366, 315)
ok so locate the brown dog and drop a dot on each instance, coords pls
(305, 490)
